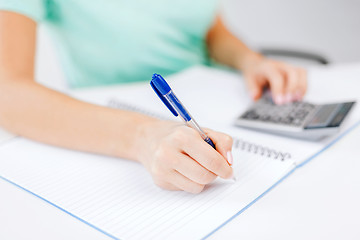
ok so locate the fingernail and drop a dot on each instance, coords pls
(279, 99)
(288, 98)
(298, 96)
(230, 159)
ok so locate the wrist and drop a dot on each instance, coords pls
(247, 60)
(144, 136)
(129, 141)
(149, 134)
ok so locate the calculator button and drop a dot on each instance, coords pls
(251, 115)
(265, 118)
(297, 122)
(292, 114)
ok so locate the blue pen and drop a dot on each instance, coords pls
(168, 97)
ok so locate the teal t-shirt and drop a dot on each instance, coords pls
(118, 41)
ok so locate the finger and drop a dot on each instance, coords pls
(303, 82)
(166, 185)
(208, 157)
(277, 85)
(254, 87)
(292, 83)
(223, 144)
(191, 169)
(184, 183)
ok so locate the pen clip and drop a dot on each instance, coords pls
(163, 99)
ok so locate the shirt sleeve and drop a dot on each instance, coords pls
(34, 9)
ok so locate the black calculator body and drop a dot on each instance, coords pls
(298, 119)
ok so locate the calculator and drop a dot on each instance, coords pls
(297, 119)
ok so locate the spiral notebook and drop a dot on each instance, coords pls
(118, 198)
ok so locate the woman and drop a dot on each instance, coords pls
(109, 42)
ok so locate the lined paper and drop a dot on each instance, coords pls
(119, 197)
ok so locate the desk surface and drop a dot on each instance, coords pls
(319, 200)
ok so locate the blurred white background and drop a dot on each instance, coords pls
(329, 27)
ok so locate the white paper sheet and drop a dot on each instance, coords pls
(119, 197)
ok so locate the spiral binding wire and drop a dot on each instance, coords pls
(114, 103)
(260, 150)
(238, 143)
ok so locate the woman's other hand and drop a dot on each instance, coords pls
(287, 83)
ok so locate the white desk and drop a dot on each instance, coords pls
(318, 201)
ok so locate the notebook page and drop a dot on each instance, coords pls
(119, 197)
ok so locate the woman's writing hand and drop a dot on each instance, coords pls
(179, 159)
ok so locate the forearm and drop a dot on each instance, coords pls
(33, 111)
(225, 48)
